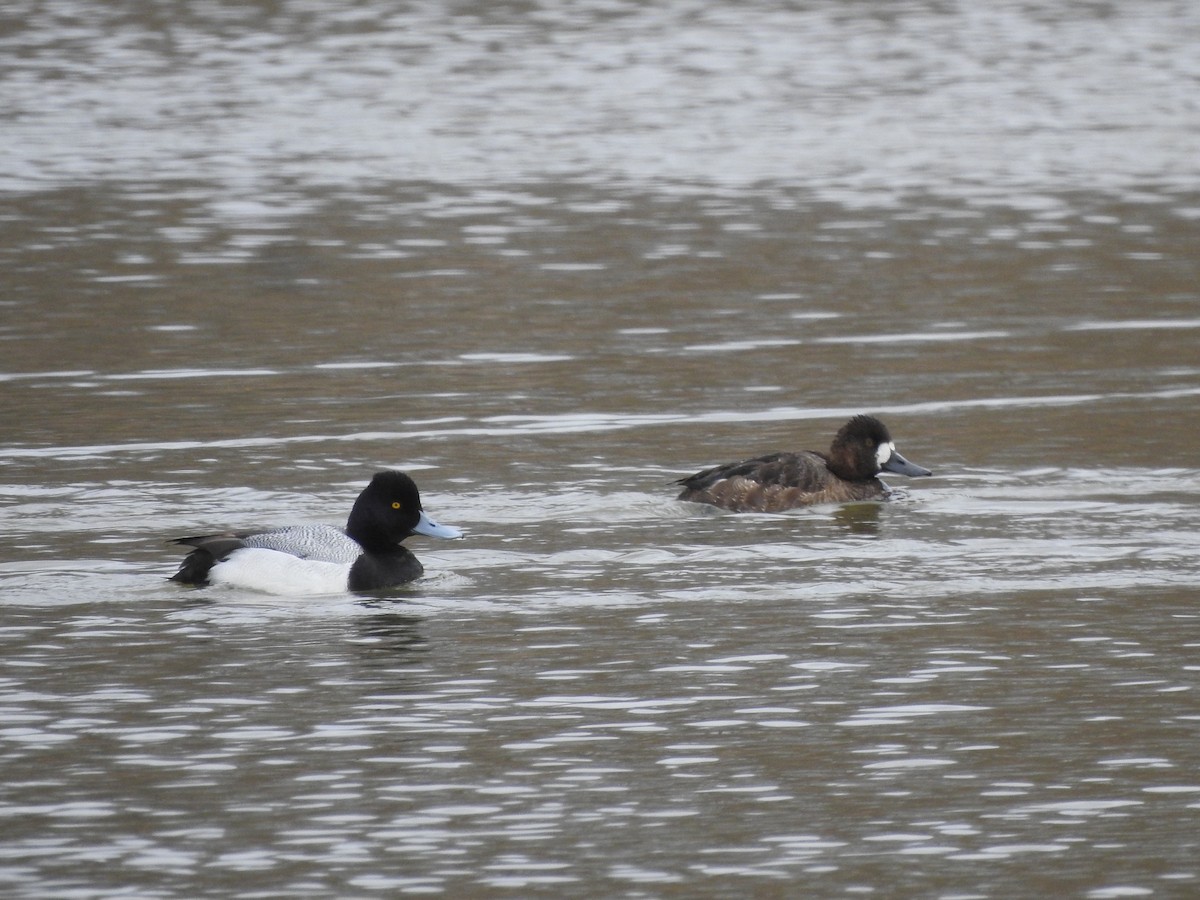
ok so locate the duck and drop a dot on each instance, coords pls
(366, 556)
(861, 450)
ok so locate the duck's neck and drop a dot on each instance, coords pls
(379, 571)
(847, 466)
(372, 536)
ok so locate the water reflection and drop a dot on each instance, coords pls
(396, 636)
(858, 518)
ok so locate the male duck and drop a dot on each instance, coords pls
(317, 559)
(860, 451)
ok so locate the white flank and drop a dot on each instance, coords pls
(273, 572)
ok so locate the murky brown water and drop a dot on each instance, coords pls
(549, 260)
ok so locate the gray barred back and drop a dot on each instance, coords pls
(326, 543)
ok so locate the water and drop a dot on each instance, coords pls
(549, 260)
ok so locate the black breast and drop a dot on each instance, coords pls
(379, 571)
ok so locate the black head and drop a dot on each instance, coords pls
(389, 510)
(863, 448)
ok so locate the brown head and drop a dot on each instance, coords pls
(863, 448)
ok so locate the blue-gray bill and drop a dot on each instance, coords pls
(901, 466)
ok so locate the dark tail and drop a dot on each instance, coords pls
(194, 569)
(210, 550)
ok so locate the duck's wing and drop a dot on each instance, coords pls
(320, 543)
(805, 471)
(219, 545)
(323, 543)
(766, 483)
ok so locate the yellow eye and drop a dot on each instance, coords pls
(395, 504)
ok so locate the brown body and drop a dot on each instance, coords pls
(776, 483)
(780, 481)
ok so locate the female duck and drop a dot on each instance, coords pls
(317, 559)
(860, 451)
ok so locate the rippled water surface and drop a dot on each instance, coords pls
(549, 258)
